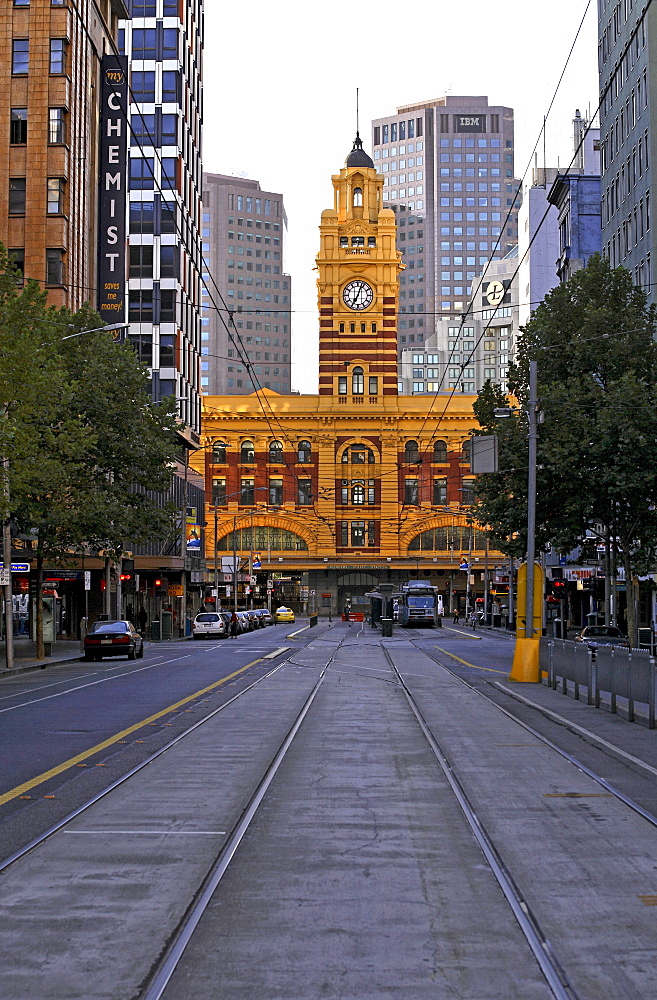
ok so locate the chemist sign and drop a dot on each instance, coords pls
(113, 159)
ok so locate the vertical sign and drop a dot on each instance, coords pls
(112, 188)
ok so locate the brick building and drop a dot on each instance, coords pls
(49, 115)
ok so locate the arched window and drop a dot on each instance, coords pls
(304, 450)
(247, 452)
(440, 451)
(358, 197)
(275, 452)
(465, 452)
(358, 493)
(357, 381)
(411, 452)
(219, 452)
(358, 454)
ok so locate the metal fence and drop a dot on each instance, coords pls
(610, 670)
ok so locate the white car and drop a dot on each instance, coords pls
(210, 624)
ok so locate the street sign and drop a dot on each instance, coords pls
(17, 567)
(5, 577)
(255, 561)
(87, 579)
(464, 564)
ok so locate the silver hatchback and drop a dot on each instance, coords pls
(209, 624)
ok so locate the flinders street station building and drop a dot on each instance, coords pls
(322, 497)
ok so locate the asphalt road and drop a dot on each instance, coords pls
(67, 733)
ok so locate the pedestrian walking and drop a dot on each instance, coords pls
(456, 616)
(142, 618)
(234, 625)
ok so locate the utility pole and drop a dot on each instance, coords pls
(216, 564)
(530, 630)
(6, 571)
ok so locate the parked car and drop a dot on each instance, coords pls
(265, 616)
(283, 614)
(254, 618)
(210, 624)
(118, 638)
(246, 625)
(602, 635)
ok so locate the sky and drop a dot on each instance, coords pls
(280, 96)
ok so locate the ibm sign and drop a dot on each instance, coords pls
(469, 123)
(112, 188)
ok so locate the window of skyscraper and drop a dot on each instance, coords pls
(143, 86)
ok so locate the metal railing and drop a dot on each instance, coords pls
(608, 671)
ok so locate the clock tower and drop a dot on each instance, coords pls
(358, 267)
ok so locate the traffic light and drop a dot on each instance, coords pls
(159, 587)
(560, 589)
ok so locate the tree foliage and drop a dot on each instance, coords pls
(593, 339)
(88, 454)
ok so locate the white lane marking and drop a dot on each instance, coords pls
(79, 687)
(65, 680)
(470, 634)
(42, 687)
(156, 833)
(580, 729)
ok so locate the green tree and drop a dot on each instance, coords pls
(88, 455)
(593, 338)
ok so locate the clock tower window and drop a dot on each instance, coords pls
(358, 197)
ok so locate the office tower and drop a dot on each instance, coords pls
(49, 85)
(448, 165)
(163, 43)
(244, 230)
(627, 130)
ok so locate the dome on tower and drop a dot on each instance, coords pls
(358, 157)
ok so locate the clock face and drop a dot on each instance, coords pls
(358, 294)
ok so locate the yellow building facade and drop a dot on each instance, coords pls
(323, 496)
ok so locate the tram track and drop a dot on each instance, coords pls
(168, 962)
(552, 970)
(45, 835)
(589, 772)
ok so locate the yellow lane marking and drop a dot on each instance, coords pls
(469, 635)
(27, 786)
(473, 665)
(648, 900)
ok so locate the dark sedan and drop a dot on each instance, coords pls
(602, 635)
(118, 638)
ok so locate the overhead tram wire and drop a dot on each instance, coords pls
(545, 214)
(242, 354)
(518, 191)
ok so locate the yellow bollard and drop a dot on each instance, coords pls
(525, 662)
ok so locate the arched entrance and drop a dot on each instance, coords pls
(352, 588)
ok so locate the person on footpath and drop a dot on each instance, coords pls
(234, 624)
(456, 616)
(142, 618)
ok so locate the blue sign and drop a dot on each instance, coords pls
(562, 560)
(17, 567)
(464, 564)
(255, 562)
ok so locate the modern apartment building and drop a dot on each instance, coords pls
(163, 43)
(462, 356)
(448, 166)
(575, 193)
(538, 241)
(246, 317)
(627, 35)
(50, 80)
